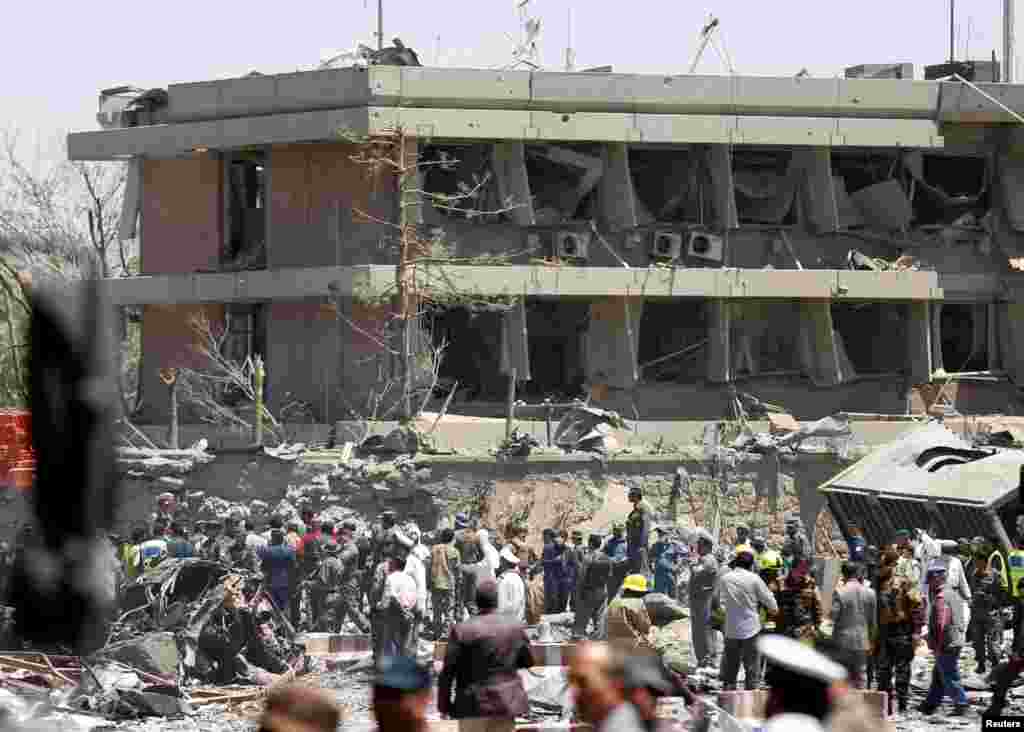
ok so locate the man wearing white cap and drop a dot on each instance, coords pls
(511, 587)
(946, 639)
(800, 679)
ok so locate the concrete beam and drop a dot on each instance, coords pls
(533, 280)
(573, 92)
(171, 140)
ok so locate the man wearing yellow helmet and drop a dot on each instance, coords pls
(770, 564)
(628, 620)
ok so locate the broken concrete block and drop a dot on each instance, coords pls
(155, 653)
(884, 205)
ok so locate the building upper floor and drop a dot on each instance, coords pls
(581, 184)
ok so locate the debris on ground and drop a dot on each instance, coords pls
(589, 429)
(192, 632)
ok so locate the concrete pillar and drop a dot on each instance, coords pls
(919, 343)
(936, 322)
(617, 206)
(719, 342)
(509, 160)
(611, 353)
(719, 162)
(808, 475)
(818, 195)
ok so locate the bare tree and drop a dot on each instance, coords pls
(60, 210)
(419, 280)
(53, 217)
(226, 392)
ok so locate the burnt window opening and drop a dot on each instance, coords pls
(556, 331)
(874, 335)
(472, 356)
(452, 171)
(246, 211)
(671, 184)
(245, 336)
(473, 346)
(964, 333)
(951, 186)
(562, 180)
(765, 185)
(670, 334)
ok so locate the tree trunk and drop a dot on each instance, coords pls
(172, 438)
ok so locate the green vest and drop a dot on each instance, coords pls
(1015, 560)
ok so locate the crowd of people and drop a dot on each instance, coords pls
(469, 585)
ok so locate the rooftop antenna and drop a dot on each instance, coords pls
(703, 39)
(1009, 62)
(570, 55)
(952, 31)
(380, 25)
(526, 53)
(437, 49)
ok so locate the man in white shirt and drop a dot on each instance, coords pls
(254, 541)
(415, 568)
(742, 594)
(958, 591)
(512, 587)
(398, 610)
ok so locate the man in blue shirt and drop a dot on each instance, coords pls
(615, 548)
(178, 546)
(555, 596)
(278, 560)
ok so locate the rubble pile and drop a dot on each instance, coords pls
(188, 625)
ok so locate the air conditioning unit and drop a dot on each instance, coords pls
(704, 246)
(666, 245)
(571, 244)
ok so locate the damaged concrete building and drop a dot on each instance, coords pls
(837, 242)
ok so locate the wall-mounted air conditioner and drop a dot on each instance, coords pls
(570, 244)
(704, 246)
(666, 245)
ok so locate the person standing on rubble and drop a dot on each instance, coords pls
(743, 593)
(946, 640)
(900, 617)
(350, 602)
(481, 666)
(628, 620)
(638, 530)
(398, 608)
(854, 612)
(153, 551)
(415, 568)
(986, 627)
(178, 546)
(241, 557)
(512, 586)
(592, 588)
(278, 564)
(325, 591)
(1006, 673)
(253, 539)
(131, 554)
(800, 610)
(617, 551)
(703, 587)
(445, 573)
(573, 563)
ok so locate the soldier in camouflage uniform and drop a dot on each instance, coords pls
(900, 617)
(445, 576)
(800, 605)
(350, 601)
(986, 629)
